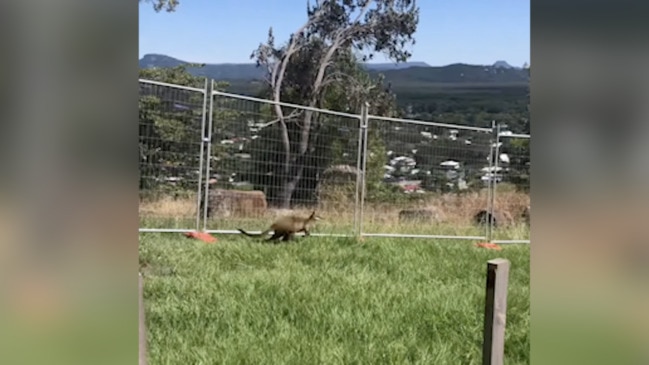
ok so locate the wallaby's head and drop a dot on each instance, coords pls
(315, 217)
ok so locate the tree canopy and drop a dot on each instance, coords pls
(320, 57)
(158, 5)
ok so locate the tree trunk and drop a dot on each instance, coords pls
(288, 188)
(294, 167)
(297, 165)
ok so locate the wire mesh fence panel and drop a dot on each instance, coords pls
(512, 188)
(426, 179)
(262, 168)
(170, 142)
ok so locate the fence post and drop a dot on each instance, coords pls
(495, 184)
(364, 127)
(356, 229)
(208, 139)
(493, 348)
(201, 158)
(490, 181)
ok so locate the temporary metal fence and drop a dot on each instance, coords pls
(425, 157)
(512, 165)
(171, 144)
(249, 169)
(216, 162)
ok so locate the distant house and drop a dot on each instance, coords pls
(450, 163)
(491, 169)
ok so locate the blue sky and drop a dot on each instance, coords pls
(226, 31)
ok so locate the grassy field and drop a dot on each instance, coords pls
(325, 301)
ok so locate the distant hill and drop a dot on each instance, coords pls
(410, 80)
(394, 66)
(458, 73)
(502, 64)
(223, 71)
(244, 71)
(410, 72)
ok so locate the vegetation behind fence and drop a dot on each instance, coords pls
(219, 161)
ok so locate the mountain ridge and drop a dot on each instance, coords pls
(408, 72)
(157, 59)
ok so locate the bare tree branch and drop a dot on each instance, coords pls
(277, 78)
(294, 115)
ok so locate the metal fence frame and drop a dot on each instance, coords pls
(205, 93)
(362, 131)
(364, 120)
(429, 124)
(499, 137)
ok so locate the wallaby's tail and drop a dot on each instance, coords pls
(253, 234)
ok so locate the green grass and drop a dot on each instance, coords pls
(518, 231)
(325, 301)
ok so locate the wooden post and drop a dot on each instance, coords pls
(142, 347)
(493, 348)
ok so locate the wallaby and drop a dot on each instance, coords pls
(286, 227)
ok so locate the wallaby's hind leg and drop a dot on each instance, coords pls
(275, 236)
(288, 237)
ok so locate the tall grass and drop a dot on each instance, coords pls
(454, 214)
(325, 301)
